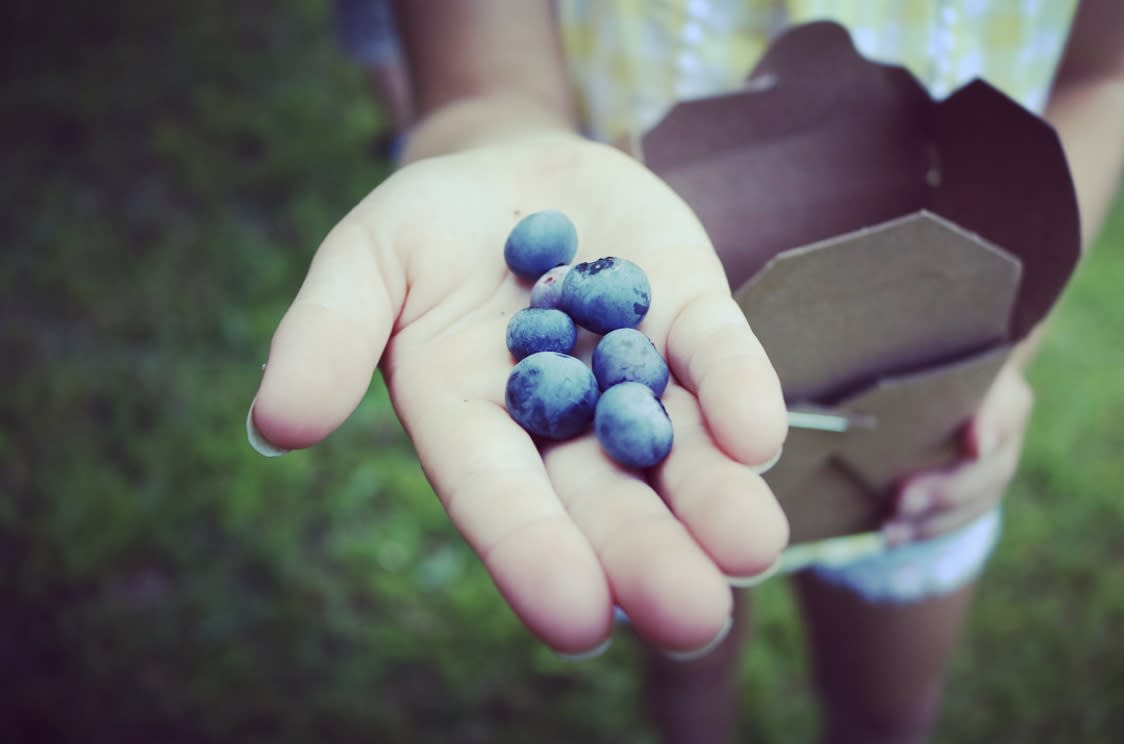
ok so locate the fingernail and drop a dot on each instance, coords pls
(593, 653)
(915, 500)
(765, 467)
(257, 441)
(701, 652)
(897, 533)
(743, 582)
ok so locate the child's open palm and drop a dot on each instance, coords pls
(413, 280)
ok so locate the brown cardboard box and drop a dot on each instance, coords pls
(888, 250)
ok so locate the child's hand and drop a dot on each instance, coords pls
(932, 503)
(414, 280)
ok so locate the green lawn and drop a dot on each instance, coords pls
(169, 173)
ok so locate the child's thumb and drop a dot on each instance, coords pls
(327, 346)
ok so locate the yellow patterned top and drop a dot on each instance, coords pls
(632, 59)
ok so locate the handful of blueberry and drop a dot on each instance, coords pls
(554, 395)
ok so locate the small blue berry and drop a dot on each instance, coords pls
(552, 395)
(547, 290)
(606, 294)
(627, 355)
(539, 242)
(535, 329)
(633, 426)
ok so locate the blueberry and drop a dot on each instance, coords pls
(627, 355)
(552, 395)
(539, 242)
(633, 426)
(535, 329)
(547, 290)
(606, 294)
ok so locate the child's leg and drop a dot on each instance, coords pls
(879, 667)
(696, 701)
(881, 629)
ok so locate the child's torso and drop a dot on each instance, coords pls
(632, 59)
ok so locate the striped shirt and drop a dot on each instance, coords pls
(631, 60)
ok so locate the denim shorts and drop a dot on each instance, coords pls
(906, 573)
(910, 572)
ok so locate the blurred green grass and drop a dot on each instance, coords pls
(169, 171)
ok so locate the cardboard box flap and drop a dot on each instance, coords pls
(918, 418)
(831, 484)
(838, 315)
(824, 142)
(887, 248)
(1002, 173)
(829, 503)
(821, 143)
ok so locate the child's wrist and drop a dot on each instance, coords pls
(474, 122)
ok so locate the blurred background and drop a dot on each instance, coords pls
(168, 170)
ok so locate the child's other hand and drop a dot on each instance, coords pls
(413, 280)
(939, 501)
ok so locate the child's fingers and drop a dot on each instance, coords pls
(971, 481)
(939, 522)
(1004, 413)
(326, 347)
(714, 354)
(725, 505)
(935, 503)
(675, 596)
(491, 479)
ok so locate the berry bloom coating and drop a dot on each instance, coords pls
(606, 294)
(539, 242)
(547, 290)
(535, 329)
(627, 355)
(633, 426)
(552, 395)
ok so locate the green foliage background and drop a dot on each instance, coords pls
(170, 168)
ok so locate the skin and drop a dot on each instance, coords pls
(412, 282)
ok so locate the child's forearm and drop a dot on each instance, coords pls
(1088, 115)
(482, 70)
(480, 120)
(1089, 118)
(1087, 109)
